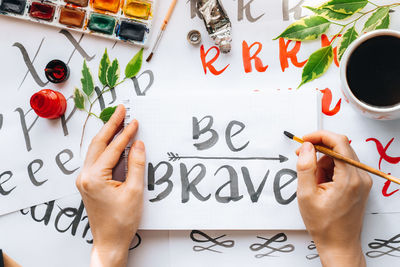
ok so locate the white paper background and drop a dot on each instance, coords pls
(30, 247)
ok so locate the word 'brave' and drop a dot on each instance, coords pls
(161, 173)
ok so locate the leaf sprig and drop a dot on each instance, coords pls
(109, 76)
(312, 27)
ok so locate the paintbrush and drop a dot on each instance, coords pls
(163, 26)
(340, 157)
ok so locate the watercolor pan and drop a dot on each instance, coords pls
(125, 20)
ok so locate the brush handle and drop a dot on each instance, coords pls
(355, 163)
(169, 14)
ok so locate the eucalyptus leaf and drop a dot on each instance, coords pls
(79, 99)
(345, 6)
(104, 65)
(87, 80)
(113, 74)
(308, 28)
(348, 37)
(317, 64)
(106, 114)
(329, 14)
(134, 66)
(377, 20)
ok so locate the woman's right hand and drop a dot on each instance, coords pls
(332, 196)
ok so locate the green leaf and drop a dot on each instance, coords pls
(308, 28)
(317, 64)
(79, 99)
(385, 23)
(133, 67)
(104, 65)
(113, 74)
(106, 114)
(345, 6)
(377, 19)
(328, 14)
(87, 80)
(348, 37)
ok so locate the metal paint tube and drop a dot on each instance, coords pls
(217, 22)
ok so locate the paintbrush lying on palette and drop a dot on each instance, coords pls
(352, 162)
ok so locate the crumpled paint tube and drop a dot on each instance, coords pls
(217, 22)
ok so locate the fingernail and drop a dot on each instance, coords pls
(138, 145)
(306, 147)
(134, 122)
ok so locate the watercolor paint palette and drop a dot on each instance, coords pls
(126, 20)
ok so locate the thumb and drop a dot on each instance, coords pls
(307, 168)
(136, 167)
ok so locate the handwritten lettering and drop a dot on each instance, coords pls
(136, 84)
(268, 244)
(76, 45)
(29, 64)
(383, 151)
(188, 187)
(25, 128)
(5, 192)
(326, 42)
(64, 120)
(285, 54)
(327, 101)
(385, 189)
(390, 247)
(248, 58)
(209, 64)
(204, 238)
(246, 9)
(233, 186)
(32, 172)
(312, 256)
(296, 10)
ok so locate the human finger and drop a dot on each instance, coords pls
(111, 155)
(136, 166)
(306, 169)
(338, 143)
(107, 132)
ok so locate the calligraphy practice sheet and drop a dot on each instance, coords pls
(40, 159)
(212, 162)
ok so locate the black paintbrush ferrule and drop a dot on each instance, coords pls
(291, 136)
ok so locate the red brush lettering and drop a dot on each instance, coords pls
(247, 58)
(386, 188)
(327, 101)
(285, 54)
(209, 64)
(325, 42)
(382, 151)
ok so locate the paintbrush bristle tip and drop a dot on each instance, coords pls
(149, 57)
(291, 136)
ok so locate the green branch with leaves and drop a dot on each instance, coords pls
(109, 75)
(327, 14)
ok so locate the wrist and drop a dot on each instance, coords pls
(348, 256)
(106, 256)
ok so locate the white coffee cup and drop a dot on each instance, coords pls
(374, 112)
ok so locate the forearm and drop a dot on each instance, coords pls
(343, 257)
(8, 262)
(108, 258)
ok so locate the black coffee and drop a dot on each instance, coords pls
(373, 71)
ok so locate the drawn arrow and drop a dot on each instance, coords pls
(175, 157)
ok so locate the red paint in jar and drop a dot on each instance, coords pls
(48, 104)
(56, 71)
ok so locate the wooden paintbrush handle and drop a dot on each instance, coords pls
(169, 14)
(357, 164)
